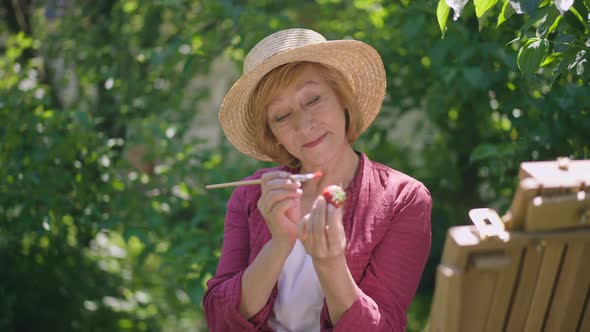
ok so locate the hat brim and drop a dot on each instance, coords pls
(359, 63)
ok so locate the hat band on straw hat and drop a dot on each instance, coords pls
(359, 63)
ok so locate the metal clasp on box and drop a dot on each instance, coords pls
(488, 224)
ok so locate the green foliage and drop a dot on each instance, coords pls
(104, 222)
(531, 55)
(554, 37)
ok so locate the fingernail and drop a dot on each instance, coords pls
(300, 191)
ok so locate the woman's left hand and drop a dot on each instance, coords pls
(321, 232)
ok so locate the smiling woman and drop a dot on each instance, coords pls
(306, 78)
(291, 259)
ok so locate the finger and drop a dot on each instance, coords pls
(273, 175)
(303, 229)
(334, 229)
(281, 207)
(305, 235)
(278, 178)
(278, 184)
(318, 218)
(282, 183)
(294, 211)
(271, 198)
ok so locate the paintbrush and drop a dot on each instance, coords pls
(294, 177)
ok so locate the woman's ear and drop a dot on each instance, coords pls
(347, 118)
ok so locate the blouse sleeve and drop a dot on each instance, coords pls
(394, 270)
(222, 299)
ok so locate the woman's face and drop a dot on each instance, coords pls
(308, 119)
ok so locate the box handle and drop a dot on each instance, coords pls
(488, 224)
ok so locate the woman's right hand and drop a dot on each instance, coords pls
(279, 204)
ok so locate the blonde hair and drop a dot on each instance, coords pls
(277, 80)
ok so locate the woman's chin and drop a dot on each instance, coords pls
(317, 156)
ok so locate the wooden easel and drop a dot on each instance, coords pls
(528, 270)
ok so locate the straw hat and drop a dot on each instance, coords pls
(359, 63)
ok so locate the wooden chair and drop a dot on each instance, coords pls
(526, 271)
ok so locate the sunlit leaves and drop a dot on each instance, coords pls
(577, 20)
(130, 6)
(506, 12)
(551, 21)
(482, 6)
(131, 67)
(579, 63)
(442, 15)
(66, 171)
(548, 24)
(531, 56)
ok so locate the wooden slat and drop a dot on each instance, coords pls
(478, 289)
(569, 296)
(453, 317)
(515, 293)
(503, 292)
(585, 318)
(437, 308)
(525, 288)
(544, 287)
(445, 313)
(582, 282)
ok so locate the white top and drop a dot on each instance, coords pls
(300, 297)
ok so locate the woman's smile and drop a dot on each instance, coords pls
(315, 142)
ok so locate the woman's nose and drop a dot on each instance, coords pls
(304, 121)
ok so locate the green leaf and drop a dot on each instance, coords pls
(548, 23)
(551, 58)
(531, 6)
(506, 13)
(525, 6)
(581, 9)
(482, 6)
(579, 63)
(575, 19)
(118, 185)
(482, 21)
(531, 55)
(562, 42)
(483, 151)
(442, 15)
(182, 191)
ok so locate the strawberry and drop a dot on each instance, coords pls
(334, 195)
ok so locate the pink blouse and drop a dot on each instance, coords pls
(387, 224)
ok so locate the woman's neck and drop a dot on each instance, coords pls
(339, 170)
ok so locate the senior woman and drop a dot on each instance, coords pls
(290, 261)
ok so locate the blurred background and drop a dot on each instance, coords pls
(109, 132)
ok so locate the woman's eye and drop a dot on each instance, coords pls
(280, 118)
(313, 101)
